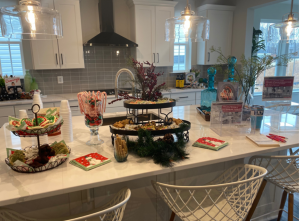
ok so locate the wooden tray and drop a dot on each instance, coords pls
(206, 117)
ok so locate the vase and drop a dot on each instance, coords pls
(92, 106)
(34, 85)
(27, 81)
(93, 120)
(231, 62)
(209, 95)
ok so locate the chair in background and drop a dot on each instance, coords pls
(229, 197)
(283, 171)
(112, 211)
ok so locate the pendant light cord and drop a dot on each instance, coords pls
(292, 7)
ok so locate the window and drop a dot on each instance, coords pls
(181, 51)
(11, 56)
(292, 68)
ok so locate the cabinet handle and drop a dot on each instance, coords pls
(184, 97)
(154, 57)
(158, 57)
(62, 59)
(73, 106)
(56, 59)
(208, 59)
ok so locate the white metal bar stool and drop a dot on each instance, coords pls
(283, 171)
(112, 211)
(229, 197)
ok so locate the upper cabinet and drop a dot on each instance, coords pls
(148, 31)
(220, 35)
(64, 53)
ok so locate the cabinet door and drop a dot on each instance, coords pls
(220, 33)
(70, 46)
(164, 49)
(44, 53)
(145, 33)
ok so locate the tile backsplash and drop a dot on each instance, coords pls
(101, 66)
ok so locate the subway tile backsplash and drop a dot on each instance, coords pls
(101, 66)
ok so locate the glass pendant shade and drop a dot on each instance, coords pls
(30, 21)
(287, 30)
(187, 26)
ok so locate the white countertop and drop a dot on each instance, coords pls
(17, 187)
(73, 96)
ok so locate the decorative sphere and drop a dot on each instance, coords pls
(232, 60)
(211, 71)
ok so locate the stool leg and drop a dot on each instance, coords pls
(172, 216)
(257, 198)
(291, 207)
(283, 199)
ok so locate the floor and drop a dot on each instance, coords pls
(296, 208)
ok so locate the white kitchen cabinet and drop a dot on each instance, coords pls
(64, 53)
(220, 35)
(184, 99)
(148, 18)
(70, 46)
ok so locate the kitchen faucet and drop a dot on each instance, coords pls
(132, 81)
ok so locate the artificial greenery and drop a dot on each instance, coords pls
(249, 69)
(162, 152)
(257, 42)
(2, 81)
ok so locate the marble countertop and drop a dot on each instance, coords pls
(17, 187)
(73, 96)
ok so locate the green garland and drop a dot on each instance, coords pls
(161, 152)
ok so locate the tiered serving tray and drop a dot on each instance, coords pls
(48, 166)
(135, 112)
(37, 133)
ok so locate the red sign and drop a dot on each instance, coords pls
(232, 108)
(279, 82)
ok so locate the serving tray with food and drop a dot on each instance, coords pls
(35, 159)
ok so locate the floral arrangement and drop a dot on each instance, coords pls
(250, 69)
(146, 81)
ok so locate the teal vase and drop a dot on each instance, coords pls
(27, 81)
(210, 94)
(34, 85)
(231, 62)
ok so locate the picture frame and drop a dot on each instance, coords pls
(279, 88)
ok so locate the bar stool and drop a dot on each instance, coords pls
(283, 171)
(112, 211)
(229, 197)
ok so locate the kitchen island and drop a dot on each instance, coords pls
(67, 189)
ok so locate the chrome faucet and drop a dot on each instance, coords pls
(117, 81)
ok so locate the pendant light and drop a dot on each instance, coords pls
(30, 21)
(288, 28)
(187, 26)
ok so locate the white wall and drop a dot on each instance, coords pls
(4, 3)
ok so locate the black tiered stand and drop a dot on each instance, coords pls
(37, 133)
(135, 112)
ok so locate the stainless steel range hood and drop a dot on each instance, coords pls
(107, 36)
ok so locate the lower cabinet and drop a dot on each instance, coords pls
(184, 99)
(185, 103)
